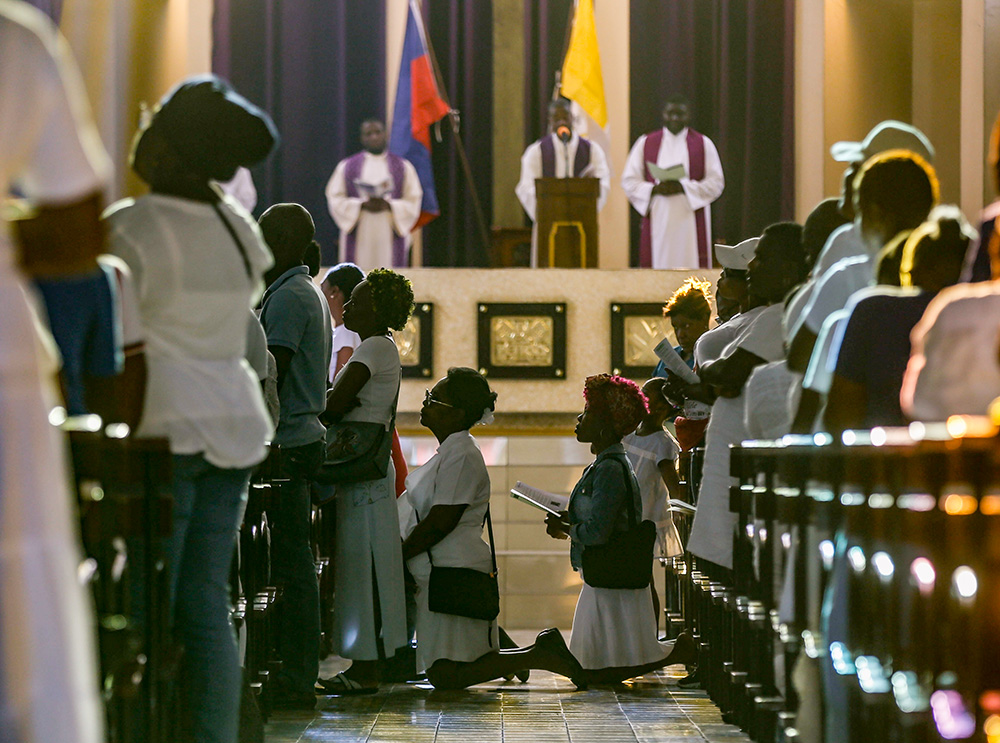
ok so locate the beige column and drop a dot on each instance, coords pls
(939, 47)
(612, 19)
(508, 110)
(973, 131)
(810, 150)
(100, 34)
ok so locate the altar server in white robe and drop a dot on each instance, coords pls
(562, 153)
(676, 209)
(374, 197)
(52, 153)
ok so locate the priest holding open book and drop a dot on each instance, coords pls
(671, 178)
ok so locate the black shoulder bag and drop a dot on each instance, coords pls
(626, 559)
(357, 451)
(465, 592)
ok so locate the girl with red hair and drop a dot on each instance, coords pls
(614, 629)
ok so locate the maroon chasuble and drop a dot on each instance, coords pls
(696, 168)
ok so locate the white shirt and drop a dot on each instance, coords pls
(712, 343)
(342, 338)
(954, 369)
(380, 355)
(674, 233)
(194, 294)
(765, 413)
(835, 288)
(375, 230)
(645, 453)
(844, 242)
(712, 530)
(455, 475)
(823, 361)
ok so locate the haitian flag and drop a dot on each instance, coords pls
(418, 105)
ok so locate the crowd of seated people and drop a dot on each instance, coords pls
(858, 319)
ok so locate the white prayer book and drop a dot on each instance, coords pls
(674, 363)
(680, 506)
(541, 499)
(673, 173)
(374, 190)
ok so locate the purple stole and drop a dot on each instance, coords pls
(696, 171)
(548, 148)
(352, 171)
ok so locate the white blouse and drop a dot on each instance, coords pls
(456, 474)
(194, 291)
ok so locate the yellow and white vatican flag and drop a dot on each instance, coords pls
(581, 80)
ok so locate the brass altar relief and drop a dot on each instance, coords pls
(408, 342)
(642, 333)
(521, 341)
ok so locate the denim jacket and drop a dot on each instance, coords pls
(597, 503)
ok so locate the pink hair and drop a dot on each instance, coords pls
(620, 399)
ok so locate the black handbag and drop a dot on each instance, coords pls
(626, 559)
(465, 592)
(357, 451)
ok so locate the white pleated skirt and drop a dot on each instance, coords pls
(616, 628)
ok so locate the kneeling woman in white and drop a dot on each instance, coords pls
(444, 508)
(614, 629)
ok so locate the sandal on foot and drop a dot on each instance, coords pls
(343, 685)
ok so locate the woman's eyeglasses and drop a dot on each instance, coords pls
(429, 399)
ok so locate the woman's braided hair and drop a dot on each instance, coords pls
(392, 297)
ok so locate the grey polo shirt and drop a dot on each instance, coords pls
(295, 315)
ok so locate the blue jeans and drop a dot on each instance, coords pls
(208, 505)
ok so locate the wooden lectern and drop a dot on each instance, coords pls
(566, 211)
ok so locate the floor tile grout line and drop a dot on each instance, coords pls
(628, 719)
(385, 700)
(697, 727)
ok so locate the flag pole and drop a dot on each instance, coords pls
(453, 118)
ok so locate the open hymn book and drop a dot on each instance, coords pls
(541, 499)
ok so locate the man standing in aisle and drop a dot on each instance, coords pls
(560, 154)
(671, 178)
(374, 197)
(300, 336)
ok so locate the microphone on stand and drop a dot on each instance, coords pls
(564, 133)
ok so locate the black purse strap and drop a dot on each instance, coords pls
(489, 529)
(232, 233)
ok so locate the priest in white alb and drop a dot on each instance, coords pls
(562, 153)
(374, 197)
(674, 196)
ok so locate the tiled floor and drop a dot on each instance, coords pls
(652, 709)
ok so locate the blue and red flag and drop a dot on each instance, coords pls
(418, 105)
